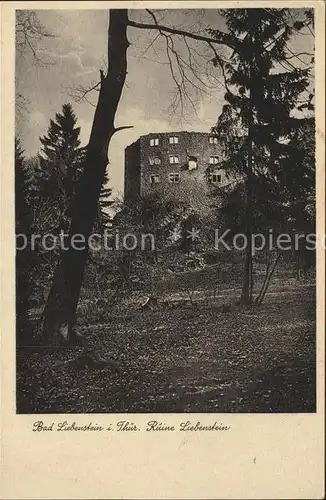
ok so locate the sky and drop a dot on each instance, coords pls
(73, 58)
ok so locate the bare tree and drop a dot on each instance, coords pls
(60, 309)
(30, 34)
(191, 57)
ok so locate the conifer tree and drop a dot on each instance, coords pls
(257, 123)
(61, 163)
(24, 256)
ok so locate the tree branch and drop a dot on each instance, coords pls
(29, 33)
(223, 38)
(124, 127)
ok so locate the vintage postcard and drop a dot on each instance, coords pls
(163, 250)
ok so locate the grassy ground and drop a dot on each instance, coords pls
(183, 358)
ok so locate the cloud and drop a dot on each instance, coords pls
(74, 62)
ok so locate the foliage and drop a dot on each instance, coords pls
(25, 261)
(60, 166)
(104, 218)
(261, 92)
(261, 128)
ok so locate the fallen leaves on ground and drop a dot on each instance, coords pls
(183, 360)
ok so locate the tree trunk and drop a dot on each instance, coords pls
(264, 289)
(60, 310)
(268, 265)
(247, 287)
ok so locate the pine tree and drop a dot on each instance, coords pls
(24, 256)
(61, 163)
(257, 123)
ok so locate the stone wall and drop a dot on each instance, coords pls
(149, 166)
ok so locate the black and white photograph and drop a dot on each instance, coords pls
(165, 211)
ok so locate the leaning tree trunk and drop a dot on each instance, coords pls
(60, 311)
(266, 284)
